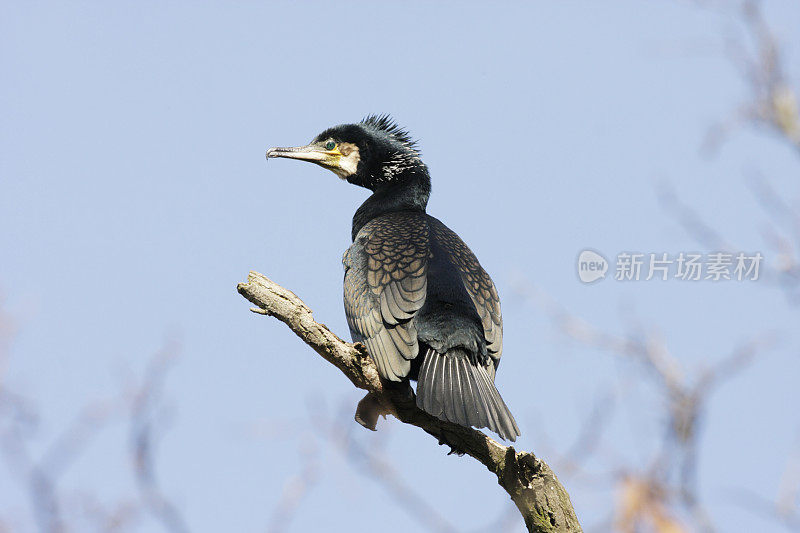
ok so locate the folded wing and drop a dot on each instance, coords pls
(385, 284)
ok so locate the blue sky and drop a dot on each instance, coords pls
(134, 195)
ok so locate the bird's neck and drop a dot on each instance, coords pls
(409, 194)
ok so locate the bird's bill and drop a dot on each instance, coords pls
(312, 152)
(342, 164)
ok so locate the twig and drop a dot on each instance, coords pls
(379, 468)
(294, 490)
(142, 441)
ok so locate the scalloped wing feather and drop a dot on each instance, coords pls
(385, 285)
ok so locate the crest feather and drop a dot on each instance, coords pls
(386, 124)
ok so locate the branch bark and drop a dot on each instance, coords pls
(541, 499)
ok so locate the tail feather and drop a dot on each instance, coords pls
(451, 388)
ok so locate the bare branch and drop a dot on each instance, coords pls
(532, 485)
(375, 465)
(293, 492)
(653, 495)
(143, 443)
(39, 478)
(760, 62)
(785, 272)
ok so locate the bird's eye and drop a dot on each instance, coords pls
(330, 145)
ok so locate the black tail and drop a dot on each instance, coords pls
(453, 389)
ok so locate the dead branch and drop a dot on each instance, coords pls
(655, 495)
(541, 499)
(758, 56)
(143, 433)
(294, 490)
(370, 462)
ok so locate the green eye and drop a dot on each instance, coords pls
(330, 145)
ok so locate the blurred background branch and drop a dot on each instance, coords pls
(654, 496)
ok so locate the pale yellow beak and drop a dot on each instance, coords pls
(335, 160)
(311, 152)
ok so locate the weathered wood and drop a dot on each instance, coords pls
(541, 499)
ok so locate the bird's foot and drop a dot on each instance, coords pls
(368, 411)
(454, 449)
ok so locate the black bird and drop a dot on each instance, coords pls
(414, 293)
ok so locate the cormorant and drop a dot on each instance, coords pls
(414, 293)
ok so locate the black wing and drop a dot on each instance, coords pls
(385, 284)
(480, 287)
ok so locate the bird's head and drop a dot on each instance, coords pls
(371, 153)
